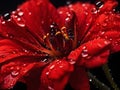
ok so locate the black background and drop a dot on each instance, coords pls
(7, 6)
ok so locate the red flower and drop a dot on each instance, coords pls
(47, 47)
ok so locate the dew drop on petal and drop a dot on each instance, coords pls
(50, 88)
(20, 13)
(106, 42)
(6, 16)
(47, 73)
(15, 73)
(104, 24)
(52, 66)
(3, 22)
(86, 13)
(24, 65)
(60, 66)
(29, 13)
(99, 4)
(26, 51)
(11, 68)
(110, 39)
(84, 54)
(67, 19)
(68, 2)
(72, 61)
(11, 36)
(90, 80)
(20, 22)
(102, 33)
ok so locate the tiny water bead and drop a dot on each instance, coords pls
(50, 88)
(15, 73)
(84, 53)
(20, 13)
(99, 4)
(6, 16)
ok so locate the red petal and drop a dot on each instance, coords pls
(97, 60)
(22, 36)
(37, 16)
(79, 79)
(56, 75)
(85, 17)
(10, 50)
(12, 58)
(89, 51)
(108, 5)
(12, 72)
(106, 26)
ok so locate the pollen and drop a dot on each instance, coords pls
(45, 36)
(64, 33)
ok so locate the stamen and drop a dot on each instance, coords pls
(58, 32)
(45, 36)
(64, 33)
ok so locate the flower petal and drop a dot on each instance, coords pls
(89, 51)
(79, 79)
(32, 16)
(12, 72)
(107, 27)
(17, 34)
(85, 17)
(55, 75)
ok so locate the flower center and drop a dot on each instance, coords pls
(60, 40)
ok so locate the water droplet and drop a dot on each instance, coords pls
(21, 24)
(90, 80)
(87, 24)
(26, 51)
(11, 36)
(86, 13)
(44, 60)
(61, 66)
(97, 24)
(99, 4)
(99, 45)
(50, 88)
(11, 68)
(60, 12)
(110, 39)
(106, 42)
(24, 65)
(68, 2)
(52, 66)
(14, 73)
(104, 24)
(3, 22)
(83, 5)
(18, 19)
(102, 33)
(84, 54)
(13, 52)
(20, 13)
(67, 19)
(47, 73)
(72, 61)
(29, 13)
(6, 16)
(17, 68)
(42, 22)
